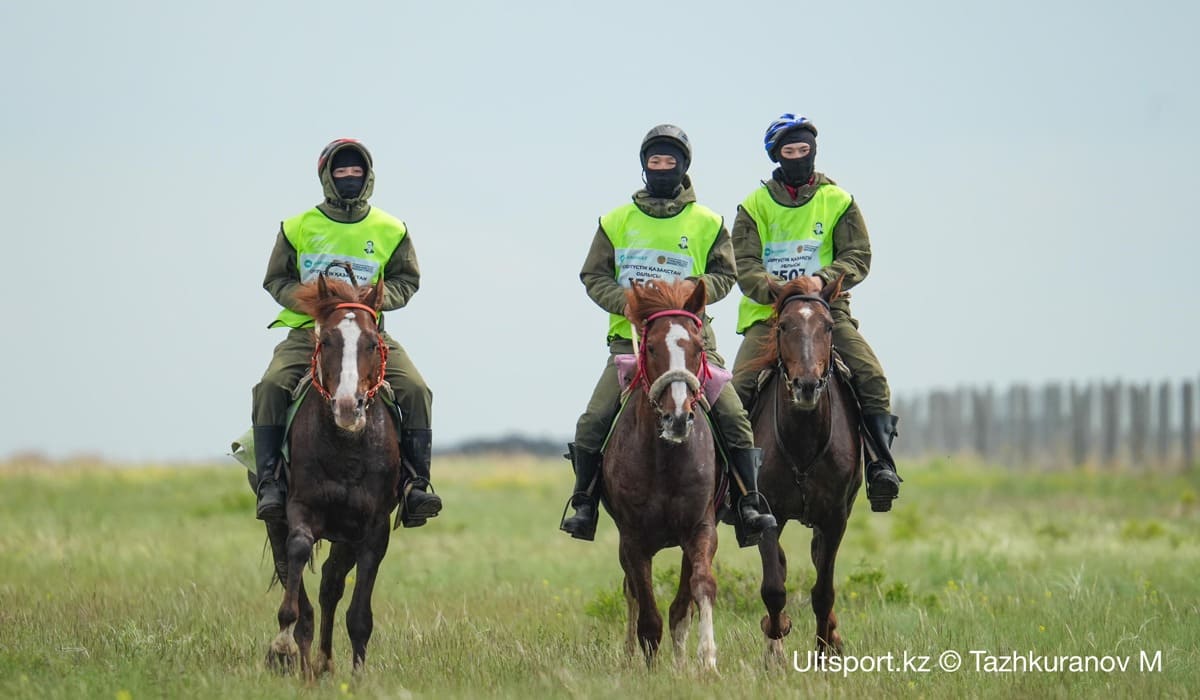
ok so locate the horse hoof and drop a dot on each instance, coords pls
(282, 664)
(322, 664)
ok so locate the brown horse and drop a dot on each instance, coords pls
(806, 419)
(660, 469)
(345, 465)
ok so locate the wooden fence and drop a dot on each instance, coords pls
(1107, 424)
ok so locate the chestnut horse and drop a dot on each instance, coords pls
(806, 420)
(344, 469)
(660, 469)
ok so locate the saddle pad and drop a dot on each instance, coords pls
(627, 369)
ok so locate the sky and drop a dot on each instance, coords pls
(1027, 170)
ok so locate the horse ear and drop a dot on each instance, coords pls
(322, 288)
(373, 296)
(831, 290)
(695, 302)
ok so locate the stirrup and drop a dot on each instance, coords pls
(882, 493)
(741, 531)
(587, 529)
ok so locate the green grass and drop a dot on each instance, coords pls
(152, 582)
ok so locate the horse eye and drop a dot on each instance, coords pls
(783, 328)
(650, 350)
(828, 327)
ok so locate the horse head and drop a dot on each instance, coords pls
(803, 337)
(350, 358)
(672, 365)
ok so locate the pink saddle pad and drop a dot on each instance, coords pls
(627, 368)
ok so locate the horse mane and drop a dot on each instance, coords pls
(654, 296)
(308, 298)
(769, 355)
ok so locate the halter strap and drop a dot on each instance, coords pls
(695, 385)
(673, 312)
(383, 355)
(804, 297)
(362, 307)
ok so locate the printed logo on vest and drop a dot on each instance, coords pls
(818, 229)
(683, 243)
(369, 248)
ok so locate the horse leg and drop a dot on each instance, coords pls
(360, 620)
(333, 586)
(679, 616)
(775, 624)
(631, 618)
(637, 567)
(284, 650)
(704, 591)
(826, 540)
(304, 632)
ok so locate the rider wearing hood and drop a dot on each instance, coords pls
(694, 246)
(344, 227)
(808, 211)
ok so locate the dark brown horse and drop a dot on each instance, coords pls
(806, 420)
(345, 465)
(660, 469)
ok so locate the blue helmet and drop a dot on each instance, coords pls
(785, 123)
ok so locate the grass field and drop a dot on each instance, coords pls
(151, 582)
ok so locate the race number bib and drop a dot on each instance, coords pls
(792, 259)
(638, 265)
(313, 264)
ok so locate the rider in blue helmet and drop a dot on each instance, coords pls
(808, 211)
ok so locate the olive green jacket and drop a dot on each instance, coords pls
(851, 246)
(599, 273)
(401, 275)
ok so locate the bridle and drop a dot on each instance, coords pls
(824, 380)
(383, 353)
(695, 382)
(800, 474)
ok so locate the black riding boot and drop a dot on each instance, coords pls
(883, 483)
(419, 501)
(745, 462)
(582, 525)
(272, 494)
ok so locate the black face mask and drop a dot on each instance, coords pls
(664, 184)
(797, 171)
(348, 188)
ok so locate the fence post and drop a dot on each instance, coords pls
(1081, 418)
(1052, 423)
(1187, 426)
(1110, 424)
(1139, 424)
(1164, 424)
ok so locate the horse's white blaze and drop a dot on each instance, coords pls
(708, 645)
(675, 339)
(806, 312)
(348, 382)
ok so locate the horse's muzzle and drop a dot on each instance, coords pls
(350, 412)
(677, 428)
(806, 392)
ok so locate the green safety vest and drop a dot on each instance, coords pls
(367, 245)
(648, 248)
(796, 241)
